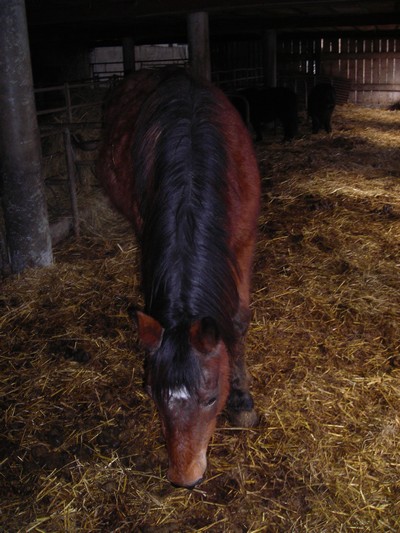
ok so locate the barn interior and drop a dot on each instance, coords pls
(81, 446)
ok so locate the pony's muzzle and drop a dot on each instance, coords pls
(189, 487)
(191, 477)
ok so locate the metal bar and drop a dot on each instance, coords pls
(69, 154)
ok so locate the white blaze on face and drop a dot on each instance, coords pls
(180, 393)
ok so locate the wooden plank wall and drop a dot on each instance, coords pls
(371, 66)
(364, 69)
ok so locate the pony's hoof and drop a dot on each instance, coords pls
(244, 419)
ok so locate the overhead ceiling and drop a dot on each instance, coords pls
(155, 21)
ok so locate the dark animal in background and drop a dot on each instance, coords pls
(178, 161)
(272, 103)
(321, 103)
(242, 105)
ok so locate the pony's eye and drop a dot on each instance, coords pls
(210, 402)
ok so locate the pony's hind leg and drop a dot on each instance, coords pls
(240, 405)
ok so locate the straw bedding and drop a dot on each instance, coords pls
(81, 446)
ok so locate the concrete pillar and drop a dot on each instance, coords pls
(23, 197)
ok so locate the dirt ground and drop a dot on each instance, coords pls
(81, 447)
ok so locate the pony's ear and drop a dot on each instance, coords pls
(204, 335)
(150, 331)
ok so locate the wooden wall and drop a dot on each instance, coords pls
(365, 69)
(371, 65)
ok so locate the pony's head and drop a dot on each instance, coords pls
(187, 375)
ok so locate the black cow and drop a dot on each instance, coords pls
(321, 103)
(270, 103)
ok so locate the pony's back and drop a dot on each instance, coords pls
(168, 164)
(181, 179)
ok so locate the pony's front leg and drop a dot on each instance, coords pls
(240, 405)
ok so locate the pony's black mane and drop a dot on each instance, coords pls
(180, 166)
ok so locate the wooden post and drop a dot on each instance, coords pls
(128, 52)
(199, 44)
(68, 103)
(23, 197)
(269, 48)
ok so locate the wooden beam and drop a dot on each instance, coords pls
(128, 49)
(199, 45)
(285, 13)
(270, 61)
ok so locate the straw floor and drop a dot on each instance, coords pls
(81, 447)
